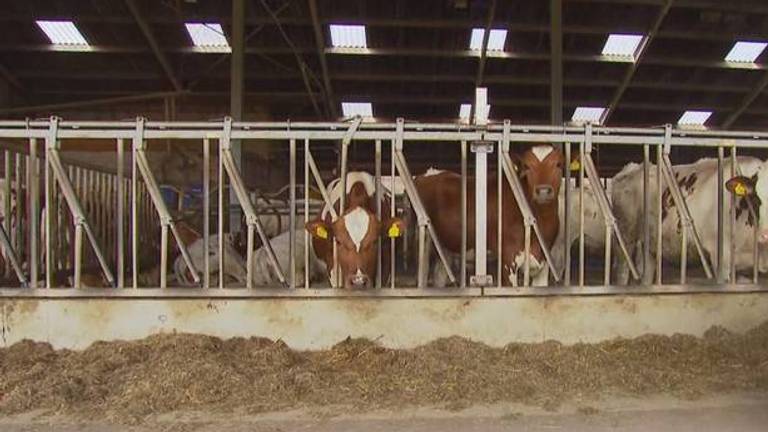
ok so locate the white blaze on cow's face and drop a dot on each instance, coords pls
(357, 223)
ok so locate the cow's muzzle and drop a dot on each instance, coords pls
(544, 194)
(763, 237)
(358, 281)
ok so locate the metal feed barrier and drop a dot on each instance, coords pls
(80, 202)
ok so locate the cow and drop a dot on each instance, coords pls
(540, 170)
(355, 232)
(699, 186)
(234, 265)
(264, 274)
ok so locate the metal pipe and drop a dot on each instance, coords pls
(377, 173)
(222, 211)
(499, 213)
(292, 217)
(581, 216)
(720, 212)
(659, 220)
(306, 215)
(7, 214)
(207, 212)
(392, 243)
(567, 218)
(463, 283)
(646, 214)
(732, 251)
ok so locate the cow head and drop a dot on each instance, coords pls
(755, 191)
(355, 233)
(540, 169)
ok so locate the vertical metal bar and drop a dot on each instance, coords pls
(206, 212)
(392, 244)
(163, 256)
(120, 219)
(377, 171)
(646, 213)
(7, 213)
(33, 180)
(20, 203)
(221, 220)
(732, 233)
(581, 216)
(292, 218)
(481, 209)
(683, 255)
(567, 218)
(499, 213)
(78, 255)
(720, 211)
(660, 184)
(135, 214)
(607, 262)
(463, 283)
(50, 142)
(307, 239)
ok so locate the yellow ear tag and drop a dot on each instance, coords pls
(575, 165)
(321, 232)
(740, 189)
(393, 231)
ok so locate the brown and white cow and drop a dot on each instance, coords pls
(540, 170)
(355, 232)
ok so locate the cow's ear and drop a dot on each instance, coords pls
(740, 186)
(393, 227)
(319, 229)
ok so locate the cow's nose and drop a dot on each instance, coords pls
(763, 238)
(359, 280)
(544, 193)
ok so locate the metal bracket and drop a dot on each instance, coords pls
(482, 147)
(78, 215)
(252, 218)
(481, 281)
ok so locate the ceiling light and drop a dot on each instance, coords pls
(464, 111)
(348, 36)
(64, 34)
(745, 52)
(588, 114)
(496, 39)
(694, 118)
(622, 45)
(209, 37)
(362, 109)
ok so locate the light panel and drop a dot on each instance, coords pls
(622, 45)
(348, 36)
(588, 114)
(63, 33)
(208, 37)
(496, 39)
(745, 52)
(362, 109)
(464, 111)
(694, 118)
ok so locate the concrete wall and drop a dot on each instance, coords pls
(396, 322)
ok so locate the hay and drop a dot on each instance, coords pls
(126, 381)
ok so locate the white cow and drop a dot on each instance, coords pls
(263, 274)
(234, 265)
(698, 183)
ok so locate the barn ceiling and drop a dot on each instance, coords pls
(417, 64)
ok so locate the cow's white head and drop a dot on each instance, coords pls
(753, 192)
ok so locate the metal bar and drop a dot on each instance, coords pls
(135, 214)
(499, 213)
(567, 218)
(306, 215)
(153, 44)
(89, 103)
(659, 220)
(646, 215)
(19, 243)
(463, 283)
(207, 212)
(732, 251)
(320, 45)
(392, 243)
(7, 212)
(581, 216)
(50, 142)
(720, 213)
(292, 218)
(252, 218)
(221, 210)
(377, 173)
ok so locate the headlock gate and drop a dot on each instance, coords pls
(42, 236)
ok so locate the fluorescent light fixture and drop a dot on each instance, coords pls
(745, 52)
(348, 36)
(622, 45)
(64, 34)
(464, 111)
(694, 118)
(588, 114)
(496, 39)
(362, 109)
(208, 37)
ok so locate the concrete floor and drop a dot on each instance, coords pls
(742, 413)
